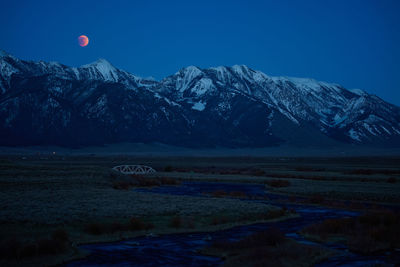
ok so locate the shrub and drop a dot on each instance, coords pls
(219, 193)
(29, 250)
(60, 234)
(176, 222)
(219, 220)
(276, 213)
(9, 248)
(366, 233)
(169, 181)
(168, 168)
(278, 183)
(391, 180)
(50, 246)
(238, 194)
(137, 224)
(309, 169)
(115, 227)
(257, 172)
(94, 229)
(121, 185)
(317, 199)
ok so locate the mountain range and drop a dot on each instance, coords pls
(47, 103)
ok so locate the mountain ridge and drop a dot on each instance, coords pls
(97, 103)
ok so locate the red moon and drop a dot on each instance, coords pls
(83, 40)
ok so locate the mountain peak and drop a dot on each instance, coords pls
(240, 67)
(242, 70)
(99, 62)
(358, 92)
(104, 68)
(190, 72)
(190, 69)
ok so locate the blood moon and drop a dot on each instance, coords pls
(83, 40)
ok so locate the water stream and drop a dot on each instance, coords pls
(181, 249)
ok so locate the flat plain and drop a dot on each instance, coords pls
(82, 197)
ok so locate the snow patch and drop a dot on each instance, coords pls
(202, 86)
(199, 106)
(358, 92)
(354, 135)
(397, 131)
(104, 68)
(386, 130)
(171, 103)
(366, 126)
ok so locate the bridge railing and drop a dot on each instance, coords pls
(134, 169)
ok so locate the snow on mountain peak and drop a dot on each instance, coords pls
(104, 68)
(100, 62)
(241, 69)
(191, 71)
(358, 92)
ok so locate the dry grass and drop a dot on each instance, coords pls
(126, 182)
(372, 171)
(223, 193)
(134, 224)
(268, 248)
(367, 233)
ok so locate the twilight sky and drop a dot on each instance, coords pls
(352, 42)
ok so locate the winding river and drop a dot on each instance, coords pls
(180, 249)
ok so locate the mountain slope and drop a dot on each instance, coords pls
(50, 103)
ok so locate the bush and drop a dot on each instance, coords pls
(60, 234)
(134, 224)
(219, 193)
(169, 181)
(176, 222)
(368, 232)
(275, 213)
(391, 180)
(50, 246)
(28, 251)
(122, 185)
(238, 194)
(317, 199)
(168, 168)
(137, 224)
(309, 169)
(219, 220)
(94, 229)
(278, 183)
(9, 248)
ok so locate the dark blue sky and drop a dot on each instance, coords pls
(354, 43)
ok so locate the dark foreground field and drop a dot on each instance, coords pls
(50, 203)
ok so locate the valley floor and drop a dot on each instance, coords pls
(81, 197)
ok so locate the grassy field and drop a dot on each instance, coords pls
(42, 195)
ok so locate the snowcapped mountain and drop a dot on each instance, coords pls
(50, 103)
